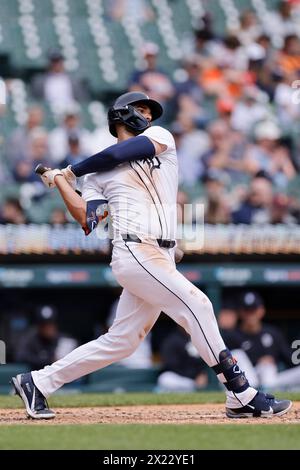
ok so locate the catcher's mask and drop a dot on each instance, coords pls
(123, 111)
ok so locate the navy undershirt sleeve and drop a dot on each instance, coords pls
(135, 148)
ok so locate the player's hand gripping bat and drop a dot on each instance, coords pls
(47, 175)
(48, 179)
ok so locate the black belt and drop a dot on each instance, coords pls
(161, 242)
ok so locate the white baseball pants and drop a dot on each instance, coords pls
(151, 284)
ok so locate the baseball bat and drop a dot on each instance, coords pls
(40, 169)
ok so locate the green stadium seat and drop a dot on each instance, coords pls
(243, 5)
(293, 188)
(43, 24)
(272, 4)
(44, 19)
(11, 190)
(217, 13)
(151, 33)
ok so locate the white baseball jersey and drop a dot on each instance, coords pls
(141, 194)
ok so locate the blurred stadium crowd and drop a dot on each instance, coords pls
(231, 102)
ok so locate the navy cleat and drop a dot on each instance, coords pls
(261, 406)
(35, 403)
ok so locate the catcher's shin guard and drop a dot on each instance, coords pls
(235, 378)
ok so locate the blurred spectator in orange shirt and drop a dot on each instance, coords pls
(289, 56)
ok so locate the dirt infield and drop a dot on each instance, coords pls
(150, 414)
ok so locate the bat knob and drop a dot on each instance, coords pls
(40, 169)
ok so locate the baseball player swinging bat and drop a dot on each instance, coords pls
(138, 179)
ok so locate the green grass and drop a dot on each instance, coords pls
(136, 436)
(140, 436)
(122, 399)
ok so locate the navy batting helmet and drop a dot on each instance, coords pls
(123, 111)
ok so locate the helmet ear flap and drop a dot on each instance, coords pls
(128, 116)
(113, 130)
(114, 116)
(111, 120)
